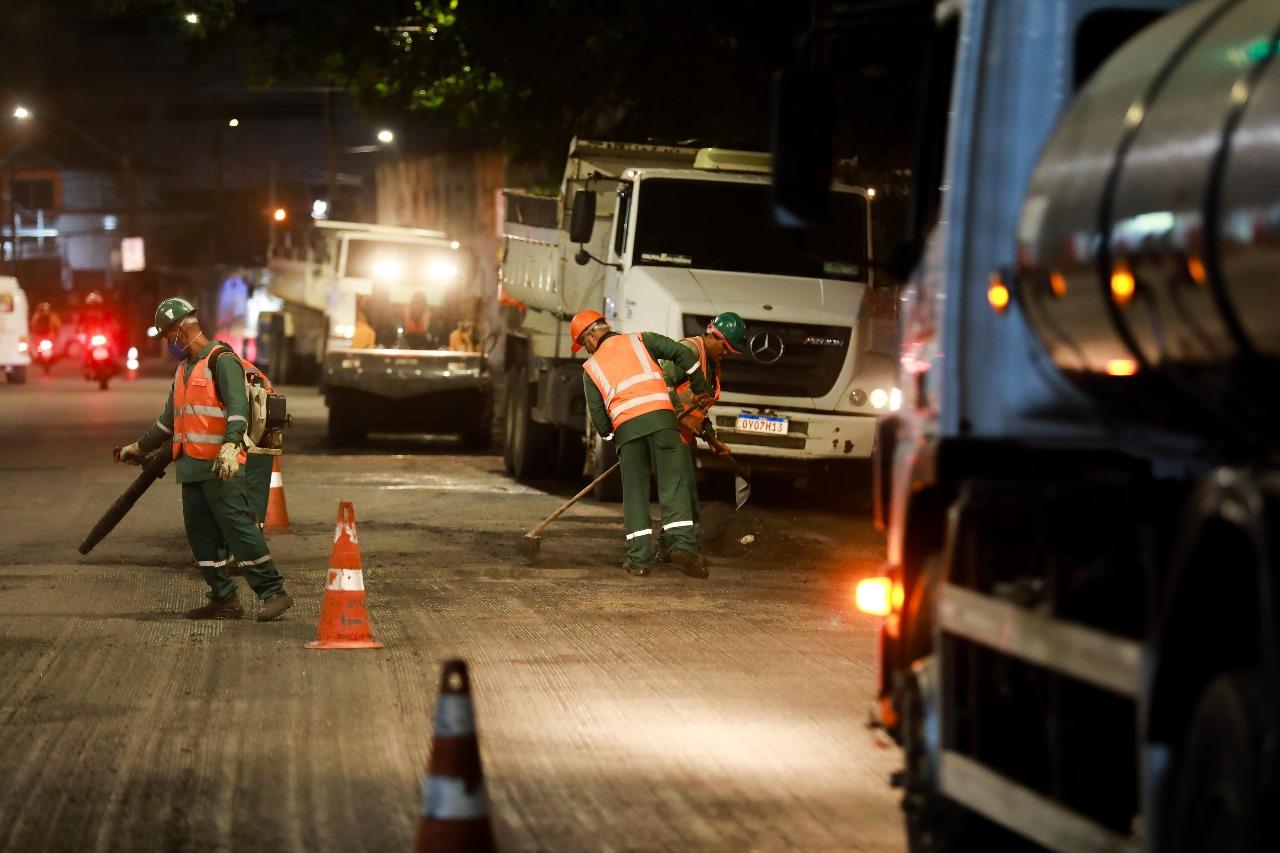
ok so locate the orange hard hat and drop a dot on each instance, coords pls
(582, 321)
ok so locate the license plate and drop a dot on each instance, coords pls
(762, 423)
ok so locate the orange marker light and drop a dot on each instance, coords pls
(874, 596)
(279, 214)
(1196, 269)
(1122, 284)
(1058, 284)
(997, 293)
(1122, 367)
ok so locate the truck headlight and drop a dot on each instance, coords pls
(879, 398)
(857, 397)
(895, 399)
(442, 270)
(385, 269)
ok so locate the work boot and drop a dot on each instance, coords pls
(691, 564)
(275, 606)
(227, 608)
(638, 571)
(664, 554)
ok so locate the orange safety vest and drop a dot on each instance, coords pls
(199, 418)
(419, 326)
(691, 423)
(628, 378)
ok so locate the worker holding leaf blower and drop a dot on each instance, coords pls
(204, 422)
(726, 334)
(628, 402)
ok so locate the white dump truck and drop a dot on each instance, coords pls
(667, 238)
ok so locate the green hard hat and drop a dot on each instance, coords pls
(171, 311)
(728, 327)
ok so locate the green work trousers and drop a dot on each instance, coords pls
(691, 483)
(217, 512)
(257, 479)
(662, 454)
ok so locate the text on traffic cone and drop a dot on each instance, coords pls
(344, 622)
(455, 804)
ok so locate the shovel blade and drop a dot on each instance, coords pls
(741, 491)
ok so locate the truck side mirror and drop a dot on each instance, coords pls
(582, 220)
(801, 145)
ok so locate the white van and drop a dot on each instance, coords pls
(14, 357)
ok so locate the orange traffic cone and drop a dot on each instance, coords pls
(455, 806)
(277, 520)
(344, 624)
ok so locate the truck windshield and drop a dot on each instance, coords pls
(719, 225)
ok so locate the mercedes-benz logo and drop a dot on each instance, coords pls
(766, 347)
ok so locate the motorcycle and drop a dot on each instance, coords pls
(42, 353)
(102, 360)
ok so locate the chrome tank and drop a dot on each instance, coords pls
(1149, 240)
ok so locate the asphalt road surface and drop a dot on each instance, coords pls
(615, 713)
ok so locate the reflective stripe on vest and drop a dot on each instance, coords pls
(199, 418)
(692, 422)
(628, 378)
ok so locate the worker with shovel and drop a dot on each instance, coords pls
(628, 402)
(726, 334)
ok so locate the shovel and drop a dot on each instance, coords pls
(741, 488)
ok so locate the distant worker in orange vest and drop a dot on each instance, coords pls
(417, 322)
(629, 405)
(204, 421)
(726, 334)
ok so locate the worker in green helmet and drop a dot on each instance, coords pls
(204, 422)
(725, 335)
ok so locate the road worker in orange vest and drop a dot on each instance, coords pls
(726, 334)
(629, 405)
(204, 422)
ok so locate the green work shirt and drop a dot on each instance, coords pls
(659, 347)
(675, 376)
(229, 375)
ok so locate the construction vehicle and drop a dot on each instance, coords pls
(1079, 648)
(661, 239)
(375, 311)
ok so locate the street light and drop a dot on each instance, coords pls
(235, 122)
(386, 137)
(192, 18)
(280, 214)
(21, 113)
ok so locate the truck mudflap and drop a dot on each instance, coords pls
(784, 434)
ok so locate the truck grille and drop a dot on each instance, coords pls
(811, 360)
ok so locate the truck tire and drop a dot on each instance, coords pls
(601, 455)
(18, 375)
(527, 444)
(1218, 782)
(346, 429)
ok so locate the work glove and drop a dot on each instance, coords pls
(227, 463)
(132, 453)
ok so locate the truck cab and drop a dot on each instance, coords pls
(14, 356)
(673, 236)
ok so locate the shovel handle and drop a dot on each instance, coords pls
(573, 500)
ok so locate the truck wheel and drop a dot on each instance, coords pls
(1218, 785)
(18, 375)
(346, 429)
(527, 446)
(601, 455)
